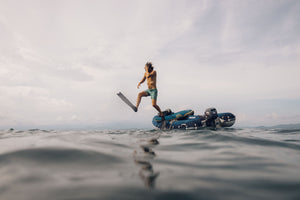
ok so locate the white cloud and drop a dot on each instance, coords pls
(65, 60)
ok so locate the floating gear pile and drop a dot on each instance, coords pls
(186, 119)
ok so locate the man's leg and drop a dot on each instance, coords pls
(156, 106)
(140, 95)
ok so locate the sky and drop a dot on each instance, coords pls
(63, 61)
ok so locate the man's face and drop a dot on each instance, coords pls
(146, 68)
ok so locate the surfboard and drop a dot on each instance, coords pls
(127, 101)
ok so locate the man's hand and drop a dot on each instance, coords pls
(147, 74)
(138, 86)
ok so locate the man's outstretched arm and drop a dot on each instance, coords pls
(142, 81)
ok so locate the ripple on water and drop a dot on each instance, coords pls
(52, 156)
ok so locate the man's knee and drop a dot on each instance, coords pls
(142, 94)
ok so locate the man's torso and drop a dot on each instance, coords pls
(151, 81)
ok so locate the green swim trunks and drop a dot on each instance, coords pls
(152, 93)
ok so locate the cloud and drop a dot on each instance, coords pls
(68, 58)
(272, 116)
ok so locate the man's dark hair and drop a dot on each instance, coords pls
(150, 66)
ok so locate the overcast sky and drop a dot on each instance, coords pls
(63, 61)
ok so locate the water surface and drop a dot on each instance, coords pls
(228, 163)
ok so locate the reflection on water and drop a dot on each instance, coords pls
(147, 173)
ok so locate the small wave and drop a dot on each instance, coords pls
(191, 147)
(252, 141)
(291, 140)
(289, 131)
(109, 144)
(58, 156)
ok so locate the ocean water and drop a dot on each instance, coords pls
(231, 163)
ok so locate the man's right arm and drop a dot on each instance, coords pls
(142, 81)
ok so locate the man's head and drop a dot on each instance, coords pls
(149, 67)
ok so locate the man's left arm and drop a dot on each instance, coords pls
(151, 74)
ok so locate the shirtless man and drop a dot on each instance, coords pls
(150, 75)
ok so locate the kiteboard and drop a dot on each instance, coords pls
(121, 95)
(127, 101)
